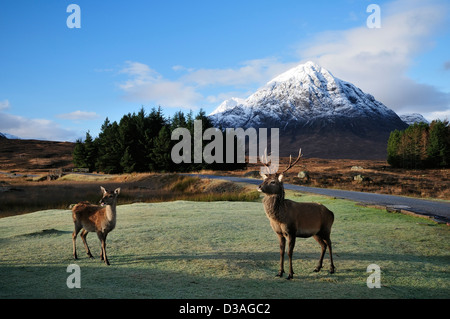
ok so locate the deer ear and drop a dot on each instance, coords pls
(280, 177)
(117, 191)
(103, 189)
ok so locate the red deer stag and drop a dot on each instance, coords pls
(93, 218)
(290, 219)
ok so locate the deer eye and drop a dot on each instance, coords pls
(272, 182)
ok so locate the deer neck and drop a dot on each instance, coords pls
(274, 206)
(111, 212)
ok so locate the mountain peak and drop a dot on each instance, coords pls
(309, 106)
(228, 104)
(302, 71)
(413, 118)
(299, 95)
(8, 136)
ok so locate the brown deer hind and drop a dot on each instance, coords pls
(93, 218)
(290, 219)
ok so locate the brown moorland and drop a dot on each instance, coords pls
(25, 164)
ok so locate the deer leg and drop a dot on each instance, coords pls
(104, 251)
(282, 247)
(324, 248)
(291, 245)
(83, 237)
(74, 239)
(103, 256)
(100, 237)
(328, 242)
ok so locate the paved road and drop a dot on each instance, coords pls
(437, 209)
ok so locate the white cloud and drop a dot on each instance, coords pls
(377, 60)
(35, 128)
(438, 115)
(180, 68)
(4, 105)
(140, 73)
(219, 98)
(164, 93)
(253, 72)
(140, 70)
(146, 84)
(78, 115)
(26, 128)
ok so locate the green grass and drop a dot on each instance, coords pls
(187, 249)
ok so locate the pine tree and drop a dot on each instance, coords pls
(154, 122)
(206, 123)
(79, 154)
(128, 139)
(127, 161)
(161, 151)
(109, 149)
(178, 120)
(414, 145)
(393, 157)
(90, 152)
(420, 145)
(439, 144)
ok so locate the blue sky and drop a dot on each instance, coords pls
(56, 83)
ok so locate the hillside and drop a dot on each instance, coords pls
(18, 155)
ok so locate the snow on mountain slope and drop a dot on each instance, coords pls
(228, 105)
(413, 118)
(8, 136)
(302, 94)
(327, 116)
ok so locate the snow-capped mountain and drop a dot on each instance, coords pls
(412, 118)
(228, 105)
(307, 103)
(300, 96)
(8, 136)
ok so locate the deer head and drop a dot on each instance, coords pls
(273, 182)
(109, 197)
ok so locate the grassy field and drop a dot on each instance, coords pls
(186, 249)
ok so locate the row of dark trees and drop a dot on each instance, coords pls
(421, 145)
(142, 142)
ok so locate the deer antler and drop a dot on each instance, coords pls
(290, 161)
(265, 161)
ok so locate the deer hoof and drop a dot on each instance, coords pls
(332, 270)
(317, 269)
(280, 274)
(290, 276)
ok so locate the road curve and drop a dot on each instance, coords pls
(439, 210)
